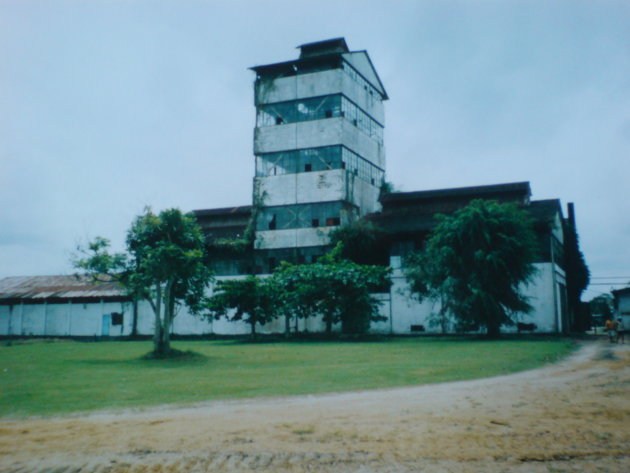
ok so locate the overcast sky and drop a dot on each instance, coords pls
(109, 106)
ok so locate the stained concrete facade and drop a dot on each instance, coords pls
(318, 143)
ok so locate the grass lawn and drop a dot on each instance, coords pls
(67, 376)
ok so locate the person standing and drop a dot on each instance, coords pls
(611, 329)
(621, 333)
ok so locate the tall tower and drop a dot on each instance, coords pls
(318, 142)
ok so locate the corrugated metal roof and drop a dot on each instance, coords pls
(40, 288)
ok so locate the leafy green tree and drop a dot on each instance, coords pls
(475, 264)
(578, 277)
(363, 242)
(253, 299)
(601, 307)
(335, 288)
(164, 264)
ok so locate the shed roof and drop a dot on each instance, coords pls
(57, 289)
(510, 190)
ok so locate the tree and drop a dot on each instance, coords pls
(601, 308)
(363, 242)
(475, 263)
(252, 299)
(164, 264)
(335, 288)
(578, 277)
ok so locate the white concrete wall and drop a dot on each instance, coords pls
(303, 187)
(316, 133)
(65, 319)
(318, 84)
(407, 311)
(318, 186)
(292, 238)
(400, 307)
(360, 61)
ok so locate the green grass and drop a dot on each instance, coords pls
(63, 377)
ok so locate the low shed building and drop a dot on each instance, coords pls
(63, 306)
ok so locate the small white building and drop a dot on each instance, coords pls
(61, 306)
(622, 306)
(71, 306)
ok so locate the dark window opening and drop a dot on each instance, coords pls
(272, 223)
(328, 113)
(272, 264)
(372, 181)
(301, 259)
(315, 222)
(279, 120)
(354, 122)
(332, 221)
(308, 167)
(117, 318)
(417, 328)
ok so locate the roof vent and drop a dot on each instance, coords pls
(328, 46)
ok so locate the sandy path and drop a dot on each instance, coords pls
(573, 416)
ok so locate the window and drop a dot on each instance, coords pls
(308, 167)
(117, 318)
(272, 223)
(328, 114)
(315, 222)
(332, 221)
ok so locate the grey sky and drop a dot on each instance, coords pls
(109, 106)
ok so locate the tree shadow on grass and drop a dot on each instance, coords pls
(176, 358)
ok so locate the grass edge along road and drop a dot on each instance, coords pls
(38, 378)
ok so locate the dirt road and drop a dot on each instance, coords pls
(573, 416)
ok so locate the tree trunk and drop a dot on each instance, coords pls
(253, 324)
(494, 330)
(287, 326)
(163, 316)
(134, 318)
(157, 333)
(329, 326)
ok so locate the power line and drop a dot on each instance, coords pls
(610, 277)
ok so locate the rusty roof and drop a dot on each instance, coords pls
(57, 288)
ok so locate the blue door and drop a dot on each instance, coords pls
(107, 322)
